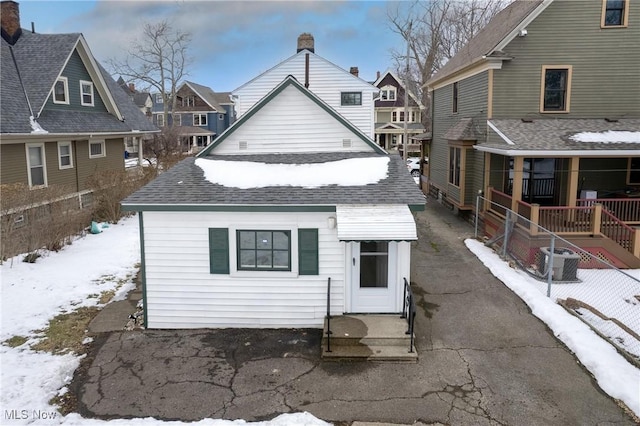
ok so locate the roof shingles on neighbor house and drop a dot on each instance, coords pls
(26, 86)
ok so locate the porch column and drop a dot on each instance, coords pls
(574, 170)
(516, 191)
(487, 174)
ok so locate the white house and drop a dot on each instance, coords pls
(249, 233)
(343, 91)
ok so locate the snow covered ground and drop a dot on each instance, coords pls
(614, 374)
(32, 294)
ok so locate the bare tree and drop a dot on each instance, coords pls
(159, 59)
(434, 32)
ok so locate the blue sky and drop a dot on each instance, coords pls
(233, 41)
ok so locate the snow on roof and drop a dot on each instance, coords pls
(610, 136)
(247, 174)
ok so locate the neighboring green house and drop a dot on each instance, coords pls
(63, 118)
(542, 108)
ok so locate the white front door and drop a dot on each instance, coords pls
(373, 277)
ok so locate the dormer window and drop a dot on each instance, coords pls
(86, 93)
(188, 101)
(388, 93)
(614, 13)
(61, 91)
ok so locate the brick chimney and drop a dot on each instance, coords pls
(305, 41)
(132, 88)
(10, 17)
(354, 71)
(377, 75)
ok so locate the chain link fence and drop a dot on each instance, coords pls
(587, 285)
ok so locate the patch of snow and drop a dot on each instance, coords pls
(36, 129)
(247, 174)
(614, 374)
(33, 293)
(610, 136)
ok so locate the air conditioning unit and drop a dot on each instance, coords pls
(565, 263)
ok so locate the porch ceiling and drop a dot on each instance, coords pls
(557, 137)
(375, 223)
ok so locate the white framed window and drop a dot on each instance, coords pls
(220, 116)
(97, 149)
(159, 98)
(86, 93)
(160, 119)
(61, 91)
(397, 116)
(199, 119)
(177, 120)
(65, 157)
(189, 101)
(388, 93)
(36, 164)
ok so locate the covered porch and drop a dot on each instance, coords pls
(576, 178)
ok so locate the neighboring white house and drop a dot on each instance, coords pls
(249, 233)
(343, 91)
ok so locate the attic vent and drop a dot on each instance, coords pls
(242, 145)
(346, 143)
(610, 120)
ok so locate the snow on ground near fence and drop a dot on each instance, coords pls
(32, 294)
(614, 374)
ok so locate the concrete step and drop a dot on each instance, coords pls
(370, 353)
(368, 338)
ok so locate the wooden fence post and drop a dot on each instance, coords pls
(597, 219)
(535, 218)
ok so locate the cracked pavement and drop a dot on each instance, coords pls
(484, 360)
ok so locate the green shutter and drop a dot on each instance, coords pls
(219, 250)
(308, 251)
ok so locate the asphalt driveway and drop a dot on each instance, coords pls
(484, 359)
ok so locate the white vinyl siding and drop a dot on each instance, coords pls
(326, 81)
(291, 122)
(182, 292)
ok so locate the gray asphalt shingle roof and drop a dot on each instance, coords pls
(185, 184)
(488, 38)
(208, 95)
(463, 130)
(40, 59)
(551, 135)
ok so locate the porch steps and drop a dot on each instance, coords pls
(368, 338)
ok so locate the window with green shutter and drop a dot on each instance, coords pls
(219, 250)
(308, 252)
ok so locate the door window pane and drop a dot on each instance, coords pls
(374, 264)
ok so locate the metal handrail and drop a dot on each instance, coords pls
(328, 314)
(409, 311)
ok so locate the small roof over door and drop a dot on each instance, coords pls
(377, 222)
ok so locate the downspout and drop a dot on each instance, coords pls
(306, 71)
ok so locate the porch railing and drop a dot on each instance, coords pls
(619, 232)
(625, 209)
(538, 187)
(328, 317)
(590, 217)
(409, 311)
